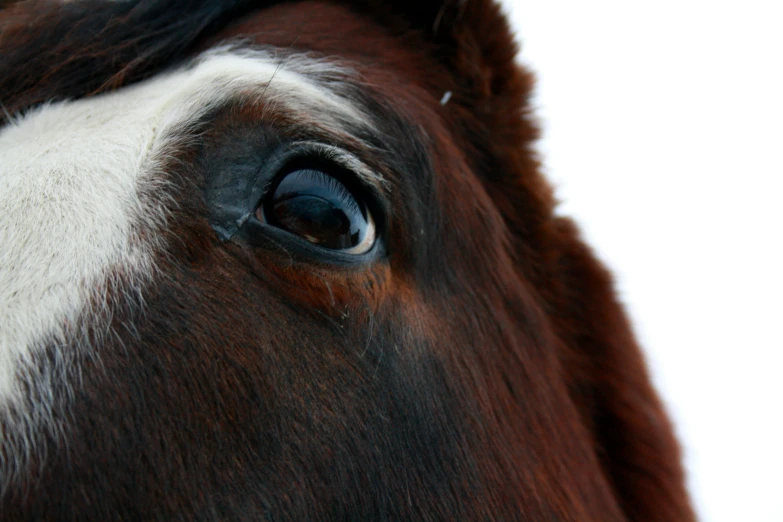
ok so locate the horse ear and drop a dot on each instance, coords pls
(480, 48)
(472, 39)
(475, 42)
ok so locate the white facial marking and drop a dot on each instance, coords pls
(72, 175)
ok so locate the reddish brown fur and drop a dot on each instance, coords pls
(499, 379)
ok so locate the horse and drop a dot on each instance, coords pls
(297, 260)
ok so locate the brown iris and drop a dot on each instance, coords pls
(319, 208)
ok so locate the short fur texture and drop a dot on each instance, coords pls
(479, 367)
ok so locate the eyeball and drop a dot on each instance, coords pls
(319, 208)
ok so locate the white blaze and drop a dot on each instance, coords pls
(71, 175)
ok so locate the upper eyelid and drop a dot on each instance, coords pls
(345, 160)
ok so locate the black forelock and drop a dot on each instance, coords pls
(54, 50)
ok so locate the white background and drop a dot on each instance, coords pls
(663, 133)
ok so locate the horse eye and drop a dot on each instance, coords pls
(317, 207)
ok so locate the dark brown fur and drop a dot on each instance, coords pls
(483, 370)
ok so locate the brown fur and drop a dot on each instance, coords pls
(483, 370)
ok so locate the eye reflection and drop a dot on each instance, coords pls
(320, 209)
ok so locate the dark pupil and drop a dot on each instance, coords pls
(318, 208)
